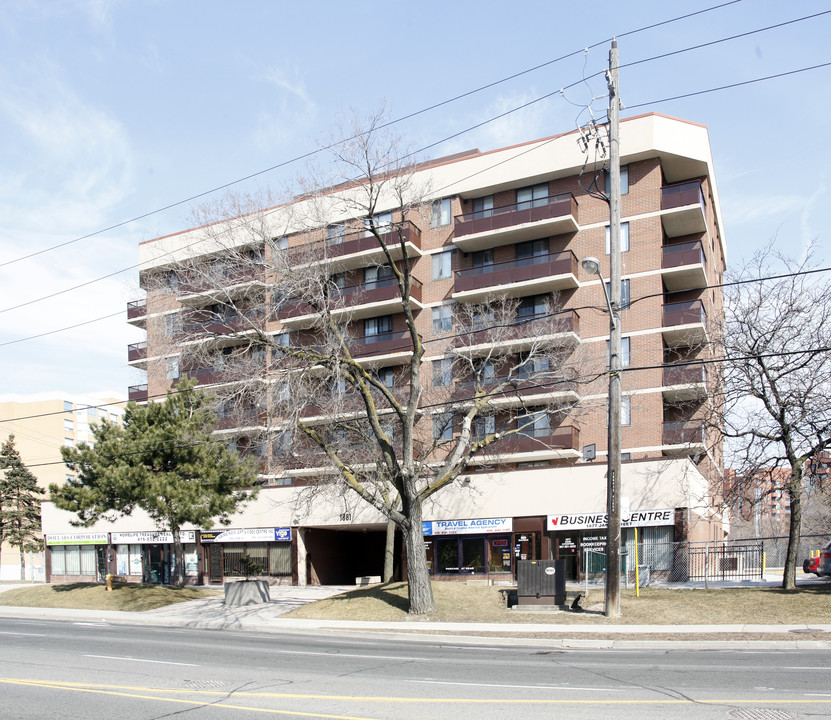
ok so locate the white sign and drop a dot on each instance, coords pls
(595, 521)
(254, 535)
(78, 539)
(157, 537)
(467, 527)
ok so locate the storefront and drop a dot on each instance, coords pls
(148, 556)
(469, 547)
(580, 539)
(223, 550)
(76, 557)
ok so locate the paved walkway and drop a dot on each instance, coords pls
(212, 613)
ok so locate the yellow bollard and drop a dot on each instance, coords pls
(637, 575)
(109, 583)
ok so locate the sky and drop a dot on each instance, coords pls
(113, 110)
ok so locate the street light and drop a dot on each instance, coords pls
(592, 266)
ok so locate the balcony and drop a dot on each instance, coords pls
(684, 266)
(392, 348)
(137, 354)
(197, 287)
(684, 437)
(527, 220)
(137, 312)
(684, 323)
(526, 276)
(200, 324)
(530, 391)
(534, 444)
(551, 329)
(684, 382)
(137, 393)
(243, 418)
(371, 299)
(359, 249)
(682, 209)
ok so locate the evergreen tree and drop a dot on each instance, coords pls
(19, 504)
(163, 460)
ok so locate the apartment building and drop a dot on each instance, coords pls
(42, 423)
(499, 300)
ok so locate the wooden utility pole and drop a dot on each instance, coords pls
(612, 604)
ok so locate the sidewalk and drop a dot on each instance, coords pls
(213, 614)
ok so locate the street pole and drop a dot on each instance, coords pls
(612, 598)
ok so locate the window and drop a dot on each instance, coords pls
(442, 265)
(377, 276)
(624, 351)
(442, 372)
(69, 478)
(533, 366)
(485, 372)
(335, 234)
(484, 425)
(170, 280)
(532, 464)
(374, 327)
(382, 222)
(172, 325)
(386, 376)
(534, 424)
(441, 212)
(68, 426)
(624, 237)
(67, 406)
(443, 426)
(442, 319)
(171, 368)
(624, 293)
(534, 196)
(482, 259)
(281, 243)
(69, 442)
(532, 306)
(532, 252)
(482, 207)
(625, 411)
(624, 181)
(281, 339)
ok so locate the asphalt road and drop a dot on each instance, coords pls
(51, 669)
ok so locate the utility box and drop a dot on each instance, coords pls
(541, 582)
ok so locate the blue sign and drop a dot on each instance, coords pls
(282, 534)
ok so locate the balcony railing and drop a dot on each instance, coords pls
(137, 393)
(536, 440)
(378, 291)
(517, 385)
(210, 323)
(687, 253)
(245, 417)
(198, 283)
(355, 242)
(681, 194)
(532, 326)
(684, 375)
(530, 268)
(528, 211)
(381, 344)
(137, 351)
(683, 433)
(136, 309)
(684, 313)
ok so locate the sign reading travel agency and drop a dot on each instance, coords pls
(467, 527)
(596, 521)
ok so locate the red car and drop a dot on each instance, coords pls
(811, 565)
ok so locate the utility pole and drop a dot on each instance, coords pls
(612, 604)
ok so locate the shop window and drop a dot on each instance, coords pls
(472, 555)
(58, 560)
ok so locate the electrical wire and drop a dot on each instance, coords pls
(311, 153)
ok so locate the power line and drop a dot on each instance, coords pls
(311, 153)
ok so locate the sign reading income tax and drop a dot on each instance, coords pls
(596, 521)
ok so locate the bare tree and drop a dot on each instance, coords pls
(777, 378)
(275, 331)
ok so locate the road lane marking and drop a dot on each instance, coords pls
(524, 687)
(8, 632)
(347, 655)
(130, 659)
